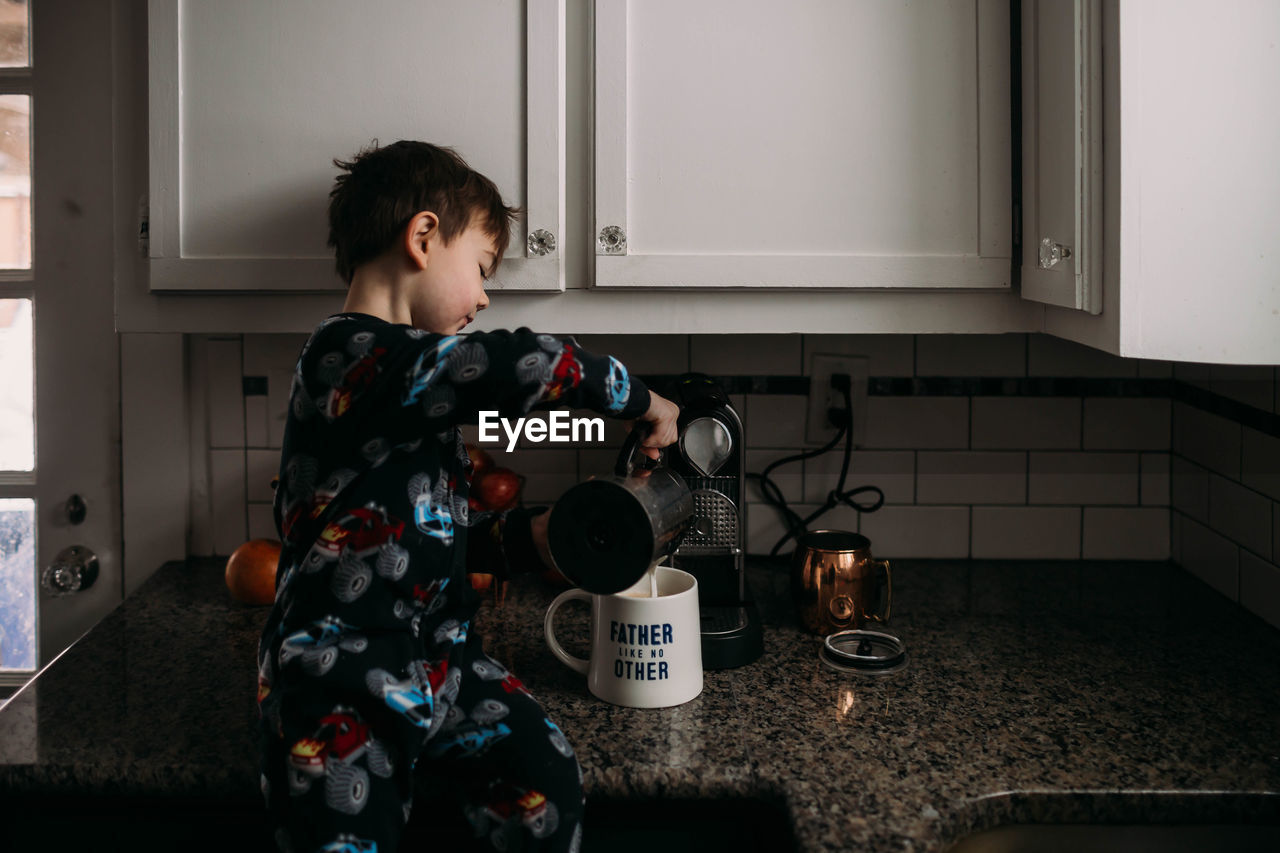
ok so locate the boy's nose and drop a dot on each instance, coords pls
(484, 301)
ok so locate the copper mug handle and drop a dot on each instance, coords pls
(888, 586)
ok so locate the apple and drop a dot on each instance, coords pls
(481, 461)
(497, 489)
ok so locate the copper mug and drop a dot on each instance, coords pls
(835, 582)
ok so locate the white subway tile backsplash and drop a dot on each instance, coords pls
(738, 355)
(255, 421)
(1106, 477)
(775, 420)
(224, 388)
(261, 466)
(893, 471)
(1206, 438)
(1026, 423)
(279, 384)
(1083, 478)
(1141, 423)
(262, 523)
(972, 477)
(917, 423)
(971, 355)
(548, 472)
(940, 532)
(1051, 356)
(1260, 587)
(1240, 514)
(1261, 462)
(887, 355)
(765, 527)
(1251, 384)
(789, 478)
(1126, 534)
(267, 352)
(839, 517)
(1027, 533)
(226, 470)
(597, 461)
(200, 533)
(1211, 557)
(1155, 475)
(643, 353)
(1189, 486)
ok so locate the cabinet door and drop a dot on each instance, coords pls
(1062, 190)
(250, 102)
(814, 144)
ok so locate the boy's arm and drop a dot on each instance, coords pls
(454, 378)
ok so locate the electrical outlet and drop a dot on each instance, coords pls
(819, 430)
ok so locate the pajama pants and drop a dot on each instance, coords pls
(348, 736)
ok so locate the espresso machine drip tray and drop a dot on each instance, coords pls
(723, 620)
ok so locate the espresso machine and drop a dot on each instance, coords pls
(710, 456)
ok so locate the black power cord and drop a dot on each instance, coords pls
(796, 525)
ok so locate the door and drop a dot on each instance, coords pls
(59, 397)
(1062, 153)
(814, 144)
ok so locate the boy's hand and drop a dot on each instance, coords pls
(661, 418)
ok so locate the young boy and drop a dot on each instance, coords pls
(370, 672)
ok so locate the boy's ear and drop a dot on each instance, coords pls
(417, 236)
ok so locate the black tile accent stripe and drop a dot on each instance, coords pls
(1233, 410)
(1265, 422)
(1047, 386)
(946, 386)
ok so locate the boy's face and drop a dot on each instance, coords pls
(451, 288)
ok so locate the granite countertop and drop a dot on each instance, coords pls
(1035, 692)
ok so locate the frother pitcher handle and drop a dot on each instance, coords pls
(888, 586)
(624, 466)
(548, 627)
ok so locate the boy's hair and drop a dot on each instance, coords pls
(383, 188)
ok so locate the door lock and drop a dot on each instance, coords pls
(73, 570)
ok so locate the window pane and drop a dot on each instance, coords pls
(15, 50)
(15, 180)
(17, 426)
(17, 583)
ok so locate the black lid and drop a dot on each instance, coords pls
(834, 540)
(867, 652)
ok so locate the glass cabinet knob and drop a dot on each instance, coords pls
(541, 243)
(1051, 252)
(611, 241)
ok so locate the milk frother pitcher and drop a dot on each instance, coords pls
(606, 532)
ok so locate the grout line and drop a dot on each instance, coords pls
(970, 532)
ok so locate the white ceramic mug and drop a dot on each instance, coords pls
(645, 652)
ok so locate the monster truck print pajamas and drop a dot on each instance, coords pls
(371, 676)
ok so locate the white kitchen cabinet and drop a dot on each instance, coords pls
(838, 168)
(250, 102)
(811, 144)
(1165, 124)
